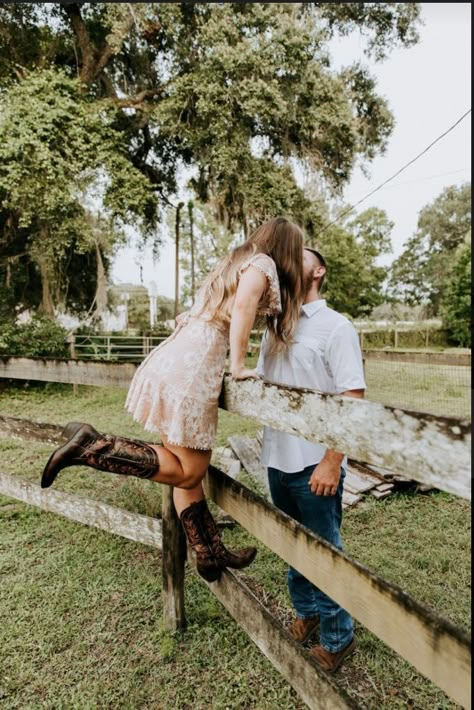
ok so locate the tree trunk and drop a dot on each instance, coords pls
(176, 287)
(191, 236)
(101, 292)
(47, 305)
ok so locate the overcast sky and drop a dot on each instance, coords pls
(428, 88)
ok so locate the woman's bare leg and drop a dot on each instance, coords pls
(183, 468)
(184, 497)
(212, 555)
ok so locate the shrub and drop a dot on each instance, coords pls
(41, 337)
(456, 303)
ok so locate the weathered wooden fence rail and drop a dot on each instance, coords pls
(390, 437)
(430, 449)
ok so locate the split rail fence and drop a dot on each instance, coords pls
(430, 449)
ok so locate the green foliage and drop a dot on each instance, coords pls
(212, 241)
(46, 179)
(386, 25)
(52, 173)
(424, 270)
(409, 338)
(354, 280)
(256, 93)
(239, 92)
(41, 337)
(456, 299)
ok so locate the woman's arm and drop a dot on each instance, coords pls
(251, 287)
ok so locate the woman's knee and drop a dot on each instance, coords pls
(192, 478)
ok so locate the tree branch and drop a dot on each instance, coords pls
(88, 51)
(109, 50)
(94, 60)
(137, 101)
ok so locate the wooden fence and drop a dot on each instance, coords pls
(433, 450)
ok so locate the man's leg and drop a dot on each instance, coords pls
(323, 515)
(302, 592)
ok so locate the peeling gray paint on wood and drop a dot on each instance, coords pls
(427, 448)
(16, 428)
(133, 526)
(79, 372)
(437, 648)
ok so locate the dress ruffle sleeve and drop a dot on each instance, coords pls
(270, 303)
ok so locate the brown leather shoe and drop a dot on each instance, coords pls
(206, 563)
(301, 629)
(226, 558)
(330, 662)
(115, 454)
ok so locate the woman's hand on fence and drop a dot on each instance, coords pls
(245, 373)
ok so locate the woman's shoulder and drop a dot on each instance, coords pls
(264, 263)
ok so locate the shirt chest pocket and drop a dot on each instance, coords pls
(308, 353)
(302, 355)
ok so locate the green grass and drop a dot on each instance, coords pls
(81, 609)
(439, 389)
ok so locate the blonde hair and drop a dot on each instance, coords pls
(283, 242)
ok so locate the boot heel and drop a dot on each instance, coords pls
(71, 429)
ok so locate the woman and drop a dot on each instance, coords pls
(175, 390)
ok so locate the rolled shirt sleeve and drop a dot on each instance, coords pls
(344, 357)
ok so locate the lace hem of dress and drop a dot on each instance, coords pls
(170, 441)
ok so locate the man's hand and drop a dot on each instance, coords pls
(325, 477)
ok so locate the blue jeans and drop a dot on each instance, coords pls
(323, 515)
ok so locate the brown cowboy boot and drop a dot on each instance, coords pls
(302, 629)
(207, 565)
(328, 661)
(225, 557)
(105, 452)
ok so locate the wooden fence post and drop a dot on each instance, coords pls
(173, 560)
(72, 355)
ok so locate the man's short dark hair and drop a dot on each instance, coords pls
(322, 261)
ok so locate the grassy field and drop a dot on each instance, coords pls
(439, 389)
(81, 609)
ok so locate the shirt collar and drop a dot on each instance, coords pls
(313, 307)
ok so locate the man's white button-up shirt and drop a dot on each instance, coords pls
(324, 356)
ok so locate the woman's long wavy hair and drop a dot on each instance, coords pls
(283, 242)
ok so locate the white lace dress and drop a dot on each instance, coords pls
(176, 389)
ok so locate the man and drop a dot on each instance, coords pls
(306, 480)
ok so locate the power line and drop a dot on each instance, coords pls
(430, 177)
(350, 209)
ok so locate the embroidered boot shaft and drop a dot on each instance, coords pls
(115, 454)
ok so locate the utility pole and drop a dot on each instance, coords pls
(191, 235)
(176, 288)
